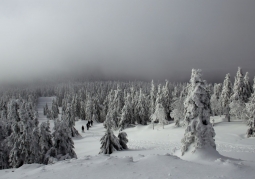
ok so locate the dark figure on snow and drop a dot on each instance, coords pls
(91, 123)
(88, 125)
(82, 128)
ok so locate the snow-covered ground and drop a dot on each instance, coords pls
(150, 155)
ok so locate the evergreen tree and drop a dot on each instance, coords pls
(63, 142)
(109, 142)
(199, 132)
(45, 141)
(70, 121)
(141, 110)
(247, 86)
(152, 98)
(159, 114)
(166, 99)
(225, 96)
(239, 96)
(178, 109)
(126, 114)
(215, 100)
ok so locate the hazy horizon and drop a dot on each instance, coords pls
(125, 40)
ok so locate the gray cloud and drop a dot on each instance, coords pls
(126, 39)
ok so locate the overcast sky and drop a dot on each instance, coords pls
(126, 39)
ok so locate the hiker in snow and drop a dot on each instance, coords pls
(82, 128)
(88, 126)
(91, 123)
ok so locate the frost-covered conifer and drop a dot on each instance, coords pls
(63, 142)
(141, 109)
(88, 110)
(3, 148)
(109, 142)
(70, 121)
(166, 99)
(152, 98)
(55, 110)
(215, 100)
(35, 149)
(126, 114)
(45, 110)
(225, 96)
(199, 132)
(247, 86)
(83, 107)
(239, 96)
(178, 109)
(159, 113)
(45, 141)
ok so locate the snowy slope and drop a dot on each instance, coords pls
(150, 155)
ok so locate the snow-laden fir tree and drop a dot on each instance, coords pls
(166, 99)
(55, 110)
(215, 100)
(82, 110)
(88, 109)
(123, 140)
(159, 113)
(45, 141)
(199, 133)
(35, 149)
(62, 140)
(3, 147)
(70, 120)
(178, 109)
(19, 140)
(127, 117)
(225, 96)
(247, 86)
(152, 98)
(239, 96)
(141, 109)
(109, 142)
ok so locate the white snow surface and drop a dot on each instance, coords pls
(151, 154)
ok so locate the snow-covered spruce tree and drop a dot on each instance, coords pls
(45, 141)
(178, 109)
(247, 86)
(141, 110)
(109, 142)
(82, 110)
(62, 141)
(45, 110)
(123, 140)
(166, 99)
(225, 96)
(199, 133)
(70, 120)
(88, 109)
(3, 148)
(239, 96)
(35, 149)
(55, 110)
(126, 114)
(250, 108)
(152, 98)
(215, 100)
(19, 140)
(159, 113)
